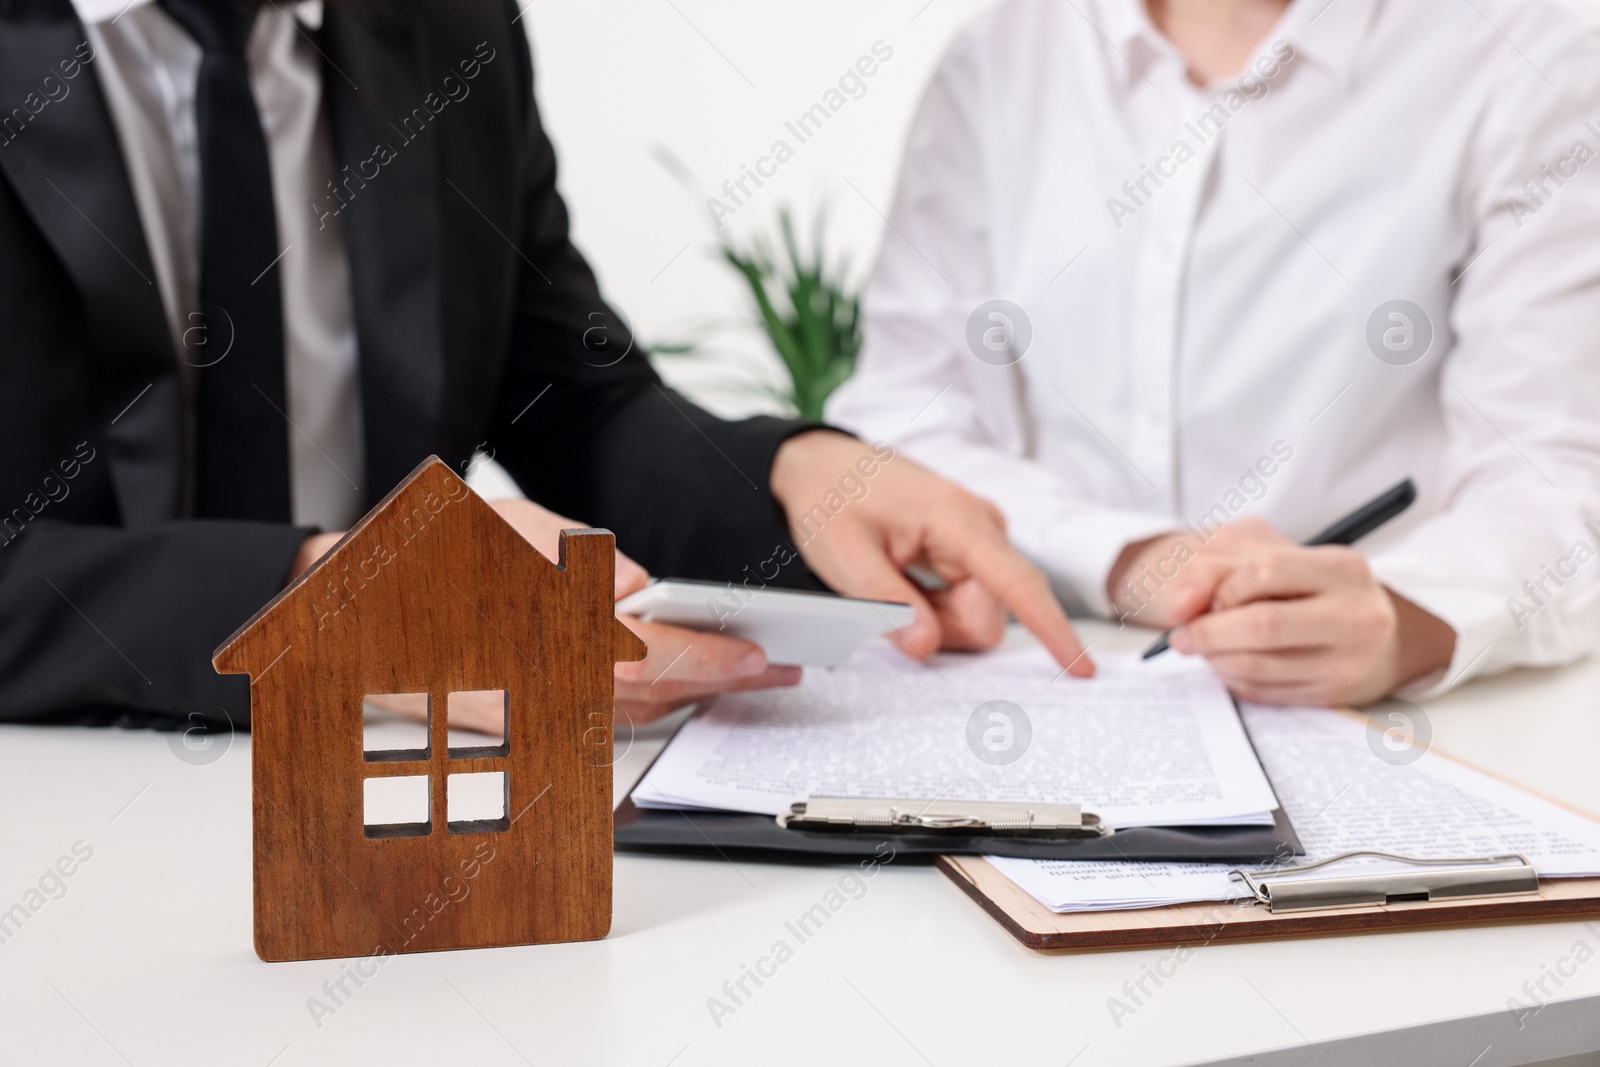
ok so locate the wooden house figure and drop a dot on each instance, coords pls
(433, 593)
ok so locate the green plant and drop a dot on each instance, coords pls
(810, 313)
(806, 305)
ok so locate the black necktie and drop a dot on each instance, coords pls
(236, 340)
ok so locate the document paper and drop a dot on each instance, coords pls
(1140, 744)
(1341, 795)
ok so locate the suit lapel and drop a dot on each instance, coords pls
(66, 166)
(387, 201)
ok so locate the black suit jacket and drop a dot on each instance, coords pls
(477, 323)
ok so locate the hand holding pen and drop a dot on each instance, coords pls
(1308, 623)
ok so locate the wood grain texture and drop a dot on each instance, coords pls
(433, 592)
(1037, 927)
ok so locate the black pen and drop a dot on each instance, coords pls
(1354, 526)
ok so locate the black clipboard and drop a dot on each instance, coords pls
(713, 833)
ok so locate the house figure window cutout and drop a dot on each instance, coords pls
(400, 715)
(432, 597)
(395, 726)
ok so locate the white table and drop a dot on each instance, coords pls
(146, 958)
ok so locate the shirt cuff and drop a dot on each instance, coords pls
(1477, 617)
(1082, 552)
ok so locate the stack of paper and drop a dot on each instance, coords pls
(1341, 796)
(1141, 744)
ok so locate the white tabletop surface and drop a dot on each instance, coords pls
(146, 959)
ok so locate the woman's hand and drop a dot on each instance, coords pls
(1299, 625)
(1167, 579)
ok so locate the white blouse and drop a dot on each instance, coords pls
(1374, 254)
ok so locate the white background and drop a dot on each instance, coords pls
(713, 82)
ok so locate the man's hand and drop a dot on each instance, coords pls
(860, 516)
(542, 528)
(312, 549)
(1166, 580)
(682, 666)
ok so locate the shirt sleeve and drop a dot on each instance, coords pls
(1510, 560)
(918, 383)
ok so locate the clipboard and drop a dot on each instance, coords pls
(861, 827)
(677, 830)
(1249, 918)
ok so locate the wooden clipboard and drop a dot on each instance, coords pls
(1038, 927)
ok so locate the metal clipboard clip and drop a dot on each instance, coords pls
(979, 817)
(1456, 878)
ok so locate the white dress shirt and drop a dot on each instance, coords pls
(147, 65)
(1201, 270)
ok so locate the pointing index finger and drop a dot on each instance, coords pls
(1025, 592)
